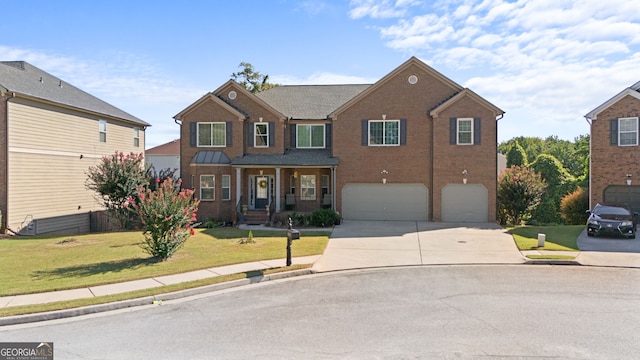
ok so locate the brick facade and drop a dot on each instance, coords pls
(610, 164)
(425, 155)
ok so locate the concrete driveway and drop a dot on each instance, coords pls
(366, 244)
(608, 251)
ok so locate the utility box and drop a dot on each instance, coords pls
(541, 239)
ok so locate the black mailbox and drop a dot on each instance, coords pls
(293, 234)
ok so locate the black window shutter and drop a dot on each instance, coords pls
(292, 136)
(365, 132)
(252, 139)
(272, 133)
(229, 133)
(328, 136)
(453, 131)
(476, 131)
(193, 134)
(403, 131)
(613, 131)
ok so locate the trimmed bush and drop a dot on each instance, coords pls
(323, 218)
(573, 207)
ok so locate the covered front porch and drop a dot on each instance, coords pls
(300, 181)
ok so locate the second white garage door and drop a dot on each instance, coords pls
(385, 202)
(465, 203)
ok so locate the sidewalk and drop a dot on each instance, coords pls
(112, 289)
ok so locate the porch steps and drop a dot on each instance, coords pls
(255, 217)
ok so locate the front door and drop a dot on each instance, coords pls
(262, 192)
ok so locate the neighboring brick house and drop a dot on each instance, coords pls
(50, 134)
(165, 156)
(413, 146)
(614, 175)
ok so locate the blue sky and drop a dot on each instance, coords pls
(545, 62)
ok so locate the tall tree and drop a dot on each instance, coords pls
(251, 79)
(516, 156)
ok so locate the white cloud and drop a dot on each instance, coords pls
(380, 9)
(550, 61)
(323, 78)
(125, 81)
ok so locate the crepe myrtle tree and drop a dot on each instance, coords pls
(116, 179)
(168, 216)
(520, 190)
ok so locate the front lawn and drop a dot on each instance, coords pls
(560, 237)
(39, 264)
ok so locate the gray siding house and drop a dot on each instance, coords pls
(50, 134)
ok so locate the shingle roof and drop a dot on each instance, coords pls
(23, 78)
(170, 148)
(309, 101)
(294, 157)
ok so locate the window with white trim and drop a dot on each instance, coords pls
(136, 137)
(207, 187)
(465, 131)
(212, 134)
(628, 131)
(226, 187)
(384, 132)
(310, 136)
(261, 134)
(102, 125)
(307, 187)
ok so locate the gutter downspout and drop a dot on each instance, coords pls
(5, 198)
(430, 212)
(497, 167)
(590, 144)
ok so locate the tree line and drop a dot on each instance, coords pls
(546, 181)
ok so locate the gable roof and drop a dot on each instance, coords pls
(24, 79)
(170, 148)
(211, 96)
(412, 61)
(237, 87)
(310, 101)
(466, 93)
(633, 90)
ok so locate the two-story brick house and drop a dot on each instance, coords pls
(412, 146)
(615, 150)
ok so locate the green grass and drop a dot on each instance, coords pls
(39, 264)
(551, 257)
(560, 237)
(157, 292)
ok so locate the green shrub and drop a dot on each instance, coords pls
(323, 218)
(573, 207)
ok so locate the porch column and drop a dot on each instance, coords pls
(333, 188)
(238, 184)
(277, 189)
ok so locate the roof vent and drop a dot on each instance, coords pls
(41, 79)
(60, 83)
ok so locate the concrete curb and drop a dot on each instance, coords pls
(147, 300)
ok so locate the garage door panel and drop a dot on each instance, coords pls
(465, 203)
(384, 202)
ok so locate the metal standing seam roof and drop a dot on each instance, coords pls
(208, 157)
(310, 101)
(294, 157)
(23, 78)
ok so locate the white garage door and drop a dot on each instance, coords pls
(384, 202)
(465, 203)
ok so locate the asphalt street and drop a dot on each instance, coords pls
(430, 312)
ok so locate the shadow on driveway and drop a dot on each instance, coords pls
(608, 244)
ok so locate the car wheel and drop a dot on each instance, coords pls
(589, 234)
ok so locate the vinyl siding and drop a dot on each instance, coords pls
(46, 173)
